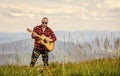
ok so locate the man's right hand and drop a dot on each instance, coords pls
(35, 35)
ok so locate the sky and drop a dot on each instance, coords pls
(63, 15)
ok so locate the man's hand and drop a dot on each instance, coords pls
(45, 41)
(35, 35)
(48, 40)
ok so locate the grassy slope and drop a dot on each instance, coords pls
(101, 67)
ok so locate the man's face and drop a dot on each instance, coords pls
(44, 22)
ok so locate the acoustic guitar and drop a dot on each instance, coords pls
(43, 38)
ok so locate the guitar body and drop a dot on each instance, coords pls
(48, 45)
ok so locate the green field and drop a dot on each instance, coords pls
(100, 67)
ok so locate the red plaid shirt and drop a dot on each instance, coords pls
(48, 32)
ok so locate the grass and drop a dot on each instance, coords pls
(107, 66)
(100, 67)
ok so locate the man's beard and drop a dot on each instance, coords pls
(44, 26)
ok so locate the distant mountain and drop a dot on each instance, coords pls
(89, 36)
(10, 37)
(73, 36)
(22, 49)
(74, 46)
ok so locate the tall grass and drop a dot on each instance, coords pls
(100, 67)
(99, 58)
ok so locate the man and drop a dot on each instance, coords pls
(42, 29)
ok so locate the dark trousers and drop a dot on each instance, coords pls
(36, 53)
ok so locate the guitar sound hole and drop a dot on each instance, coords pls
(45, 41)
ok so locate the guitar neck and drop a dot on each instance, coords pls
(41, 37)
(29, 30)
(38, 35)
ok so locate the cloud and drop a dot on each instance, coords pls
(60, 12)
(104, 10)
(113, 3)
(20, 10)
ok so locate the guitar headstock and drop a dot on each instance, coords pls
(29, 30)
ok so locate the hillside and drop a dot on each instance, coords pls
(77, 46)
(101, 67)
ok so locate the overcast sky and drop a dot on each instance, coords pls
(64, 15)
